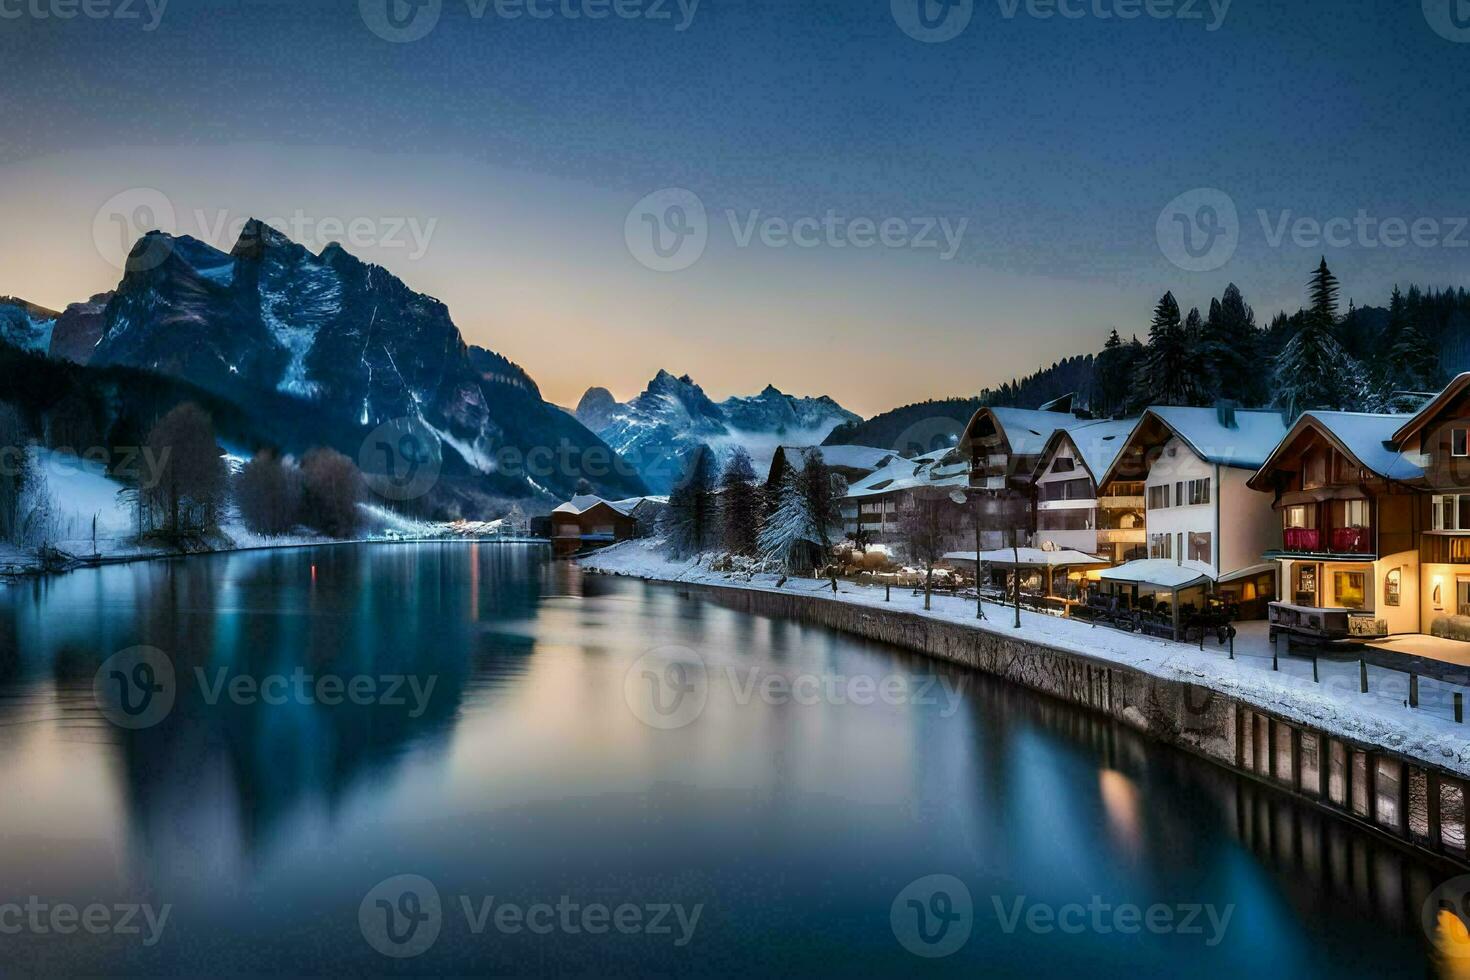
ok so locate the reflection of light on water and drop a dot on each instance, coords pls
(1452, 941)
(1120, 801)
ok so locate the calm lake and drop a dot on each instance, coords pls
(598, 776)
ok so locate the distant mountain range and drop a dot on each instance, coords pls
(656, 431)
(321, 349)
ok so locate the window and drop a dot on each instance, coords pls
(1451, 512)
(1199, 547)
(1354, 514)
(1179, 494)
(1462, 595)
(1077, 489)
(1063, 464)
(1161, 545)
(1071, 519)
(1314, 470)
(1304, 585)
(1199, 491)
(1460, 442)
(1158, 497)
(1393, 587)
(1351, 589)
(1301, 516)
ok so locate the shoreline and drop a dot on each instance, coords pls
(82, 563)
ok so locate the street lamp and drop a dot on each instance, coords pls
(959, 497)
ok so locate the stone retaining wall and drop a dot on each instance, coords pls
(1417, 805)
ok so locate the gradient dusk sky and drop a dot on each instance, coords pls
(519, 150)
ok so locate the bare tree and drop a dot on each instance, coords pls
(268, 492)
(333, 488)
(191, 479)
(926, 522)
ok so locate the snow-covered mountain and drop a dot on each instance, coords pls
(26, 325)
(329, 342)
(657, 430)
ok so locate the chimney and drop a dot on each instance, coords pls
(1225, 412)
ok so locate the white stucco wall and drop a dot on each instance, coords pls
(1240, 520)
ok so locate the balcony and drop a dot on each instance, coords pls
(1304, 539)
(1121, 535)
(1335, 541)
(1121, 502)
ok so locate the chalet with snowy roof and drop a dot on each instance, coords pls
(852, 463)
(1349, 508)
(1437, 439)
(1004, 446)
(1069, 512)
(586, 522)
(873, 505)
(1193, 466)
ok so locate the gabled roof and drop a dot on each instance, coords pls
(1416, 422)
(582, 503)
(1098, 443)
(1364, 438)
(845, 457)
(1026, 430)
(1240, 438)
(941, 468)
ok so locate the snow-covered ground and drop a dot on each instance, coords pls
(93, 518)
(1332, 705)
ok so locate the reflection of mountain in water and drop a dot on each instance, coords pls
(211, 784)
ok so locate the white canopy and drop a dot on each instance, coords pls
(1158, 573)
(1028, 558)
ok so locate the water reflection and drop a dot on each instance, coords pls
(525, 775)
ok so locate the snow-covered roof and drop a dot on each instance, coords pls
(1253, 436)
(1240, 438)
(1161, 573)
(846, 457)
(1437, 404)
(1367, 438)
(1098, 443)
(582, 503)
(1028, 429)
(941, 468)
(1028, 557)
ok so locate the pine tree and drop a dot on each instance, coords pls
(1170, 373)
(1231, 347)
(1407, 362)
(692, 517)
(1313, 370)
(791, 534)
(740, 505)
(820, 485)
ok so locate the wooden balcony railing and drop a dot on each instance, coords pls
(1336, 541)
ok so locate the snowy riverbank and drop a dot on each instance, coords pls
(1333, 706)
(92, 522)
